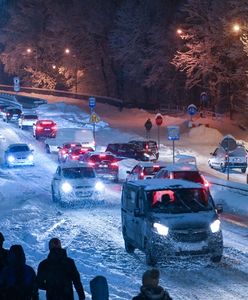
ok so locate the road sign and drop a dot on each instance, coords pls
(92, 102)
(159, 119)
(191, 109)
(16, 84)
(173, 133)
(94, 118)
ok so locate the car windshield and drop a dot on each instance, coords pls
(188, 175)
(73, 173)
(20, 148)
(183, 200)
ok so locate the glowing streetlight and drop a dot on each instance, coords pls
(236, 28)
(54, 67)
(67, 51)
(179, 31)
(30, 51)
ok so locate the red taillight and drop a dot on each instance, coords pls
(39, 128)
(147, 148)
(75, 156)
(205, 182)
(54, 127)
(142, 175)
(102, 155)
(114, 164)
(8, 114)
(63, 152)
(90, 163)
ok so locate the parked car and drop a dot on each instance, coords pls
(144, 170)
(187, 172)
(27, 120)
(150, 147)
(2, 106)
(76, 153)
(104, 163)
(44, 128)
(76, 183)
(128, 150)
(170, 218)
(64, 149)
(18, 155)
(11, 114)
(236, 159)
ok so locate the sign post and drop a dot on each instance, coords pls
(159, 121)
(92, 103)
(173, 135)
(94, 118)
(16, 84)
(229, 144)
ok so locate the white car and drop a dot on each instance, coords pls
(76, 183)
(27, 120)
(18, 155)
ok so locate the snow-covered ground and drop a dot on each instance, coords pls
(92, 234)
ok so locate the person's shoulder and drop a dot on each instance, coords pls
(139, 297)
(30, 269)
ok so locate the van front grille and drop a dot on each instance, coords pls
(189, 235)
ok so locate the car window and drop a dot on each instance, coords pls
(74, 173)
(188, 175)
(151, 170)
(180, 200)
(30, 117)
(19, 148)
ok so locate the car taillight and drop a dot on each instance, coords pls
(114, 164)
(54, 127)
(91, 163)
(147, 148)
(142, 175)
(75, 156)
(39, 128)
(8, 114)
(102, 155)
(205, 182)
(63, 152)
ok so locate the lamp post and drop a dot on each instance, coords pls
(67, 52)
(32, 51)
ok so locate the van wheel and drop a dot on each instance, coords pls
(128, 247)
(216, 258)
(243, 170)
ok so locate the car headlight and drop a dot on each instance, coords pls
(146, 155)
(161, 229)
(215, 226)
(11, 158)
(99, 186)
(31, 157)
(66, 187)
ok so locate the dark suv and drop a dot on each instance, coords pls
(11, 114)
(44, 128)
(150, 147)
(127, 150)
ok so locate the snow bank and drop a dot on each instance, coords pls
(205, 135)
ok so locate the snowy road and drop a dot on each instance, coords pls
(92, 235)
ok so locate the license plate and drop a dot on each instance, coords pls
(83, 194)
(47, 129)
(190, 246)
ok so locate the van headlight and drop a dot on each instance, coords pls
(161, 229)
(11, 158)
(31, 157)
(66, 187)
(215, 226)
(99, 186)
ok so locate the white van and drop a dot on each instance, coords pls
(76, 135)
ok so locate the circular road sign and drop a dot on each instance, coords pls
(159, 119)
(191, 109)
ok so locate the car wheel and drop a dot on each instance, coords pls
(216, 258)
(223, 168)
(48, 149)
(128, 247)
(243, 170)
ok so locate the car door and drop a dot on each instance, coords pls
(139, 219)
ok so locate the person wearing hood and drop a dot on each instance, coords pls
(150, 289)
(17, 279)
(3, 253)
(58, 273)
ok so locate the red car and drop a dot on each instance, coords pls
(75, 153)
(104, 163)
(63, 151)
(44, 128)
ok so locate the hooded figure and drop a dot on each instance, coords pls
(150, 289)
(57, 273)
(18, 280)
(99, 288)
(3, 253)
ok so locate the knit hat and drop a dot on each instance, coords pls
(151, 278)
(54, 243)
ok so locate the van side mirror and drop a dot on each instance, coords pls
(138, 213)
(219, 208)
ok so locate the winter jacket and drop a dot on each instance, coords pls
(56, 274)
(99, 288)
(3, 258)
(18, 280)
(157, 293)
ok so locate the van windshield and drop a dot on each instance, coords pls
(180, 201)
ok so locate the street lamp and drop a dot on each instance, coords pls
(236, 28)
(29, 52)
(67, 52)
(179, 31)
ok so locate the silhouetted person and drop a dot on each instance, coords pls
(18, 280)
(99, 288)
(148, 126)
(3, 253)
(57, 273)
(150, 288)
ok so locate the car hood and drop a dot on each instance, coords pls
(19, 154)
(81, 182)
(187, 220)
